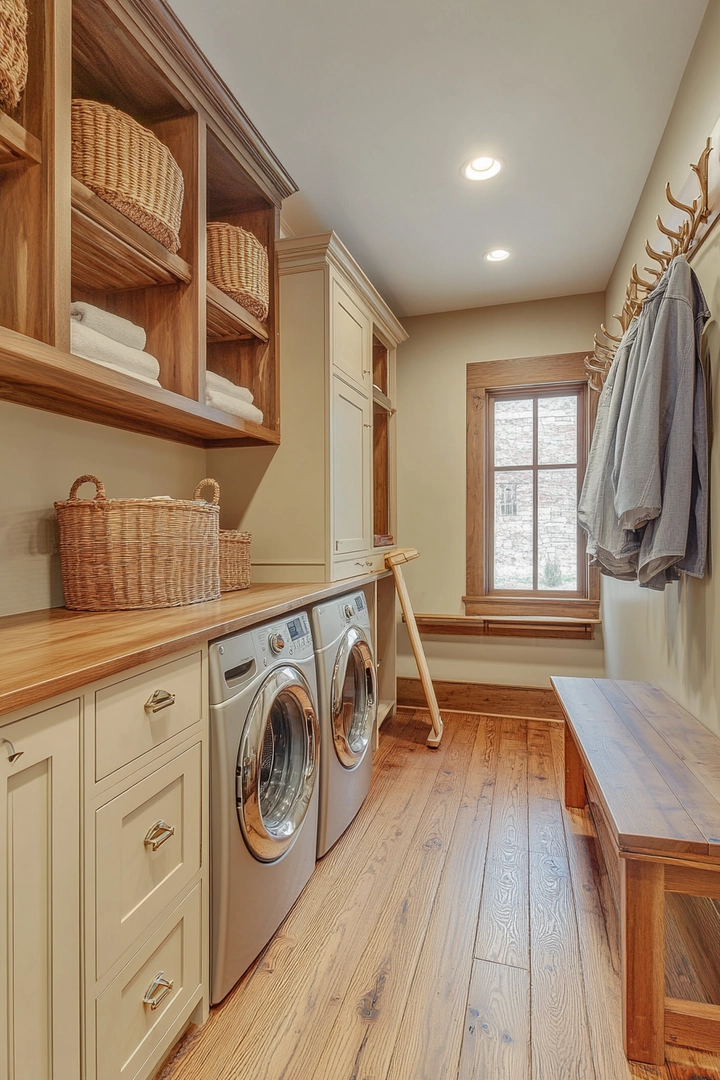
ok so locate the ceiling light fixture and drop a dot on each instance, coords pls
(481, 168)
(497, 255)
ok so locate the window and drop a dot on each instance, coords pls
(527, 435)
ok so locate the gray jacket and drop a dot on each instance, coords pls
(660, 471)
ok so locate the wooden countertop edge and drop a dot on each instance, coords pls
(22, 637)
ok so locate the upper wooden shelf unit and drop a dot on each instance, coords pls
(66, 243)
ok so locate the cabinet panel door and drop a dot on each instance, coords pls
(351, 337)
(40, 897)
(351, 469)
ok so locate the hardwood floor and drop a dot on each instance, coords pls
(457, 930)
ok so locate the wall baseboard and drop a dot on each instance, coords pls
(491, 699)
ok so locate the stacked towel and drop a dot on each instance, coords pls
(95, 346)
(112, 326)
(236, 400)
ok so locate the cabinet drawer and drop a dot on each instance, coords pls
(130, 1032)
(127, 725)
(147, 849)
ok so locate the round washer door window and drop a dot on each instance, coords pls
(354, 697)
(277, 764)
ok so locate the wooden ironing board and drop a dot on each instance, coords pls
(394, 561)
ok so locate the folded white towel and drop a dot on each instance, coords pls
(233, 406)
(224, 386)
(95, 346)
(124, 371)
(112, 326)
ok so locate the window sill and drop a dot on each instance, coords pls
(577, 628)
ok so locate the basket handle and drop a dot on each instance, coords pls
(208, 482)
(89, 479)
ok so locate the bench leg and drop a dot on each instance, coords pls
(643, 960)
(574, 783)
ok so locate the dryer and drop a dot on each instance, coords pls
(264, 744)
(347, 689)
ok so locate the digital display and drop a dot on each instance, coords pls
(296, 628)
(360, 602)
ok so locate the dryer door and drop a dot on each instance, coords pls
(277, 763)
(354, 697)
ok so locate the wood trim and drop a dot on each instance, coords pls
(482, 379)
(692, 1023)
(16, 143)
(692, 881)
(489, 699)
(506, 626)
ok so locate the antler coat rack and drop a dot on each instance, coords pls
(682, 240)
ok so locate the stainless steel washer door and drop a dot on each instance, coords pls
(277, 764)
(354, 697)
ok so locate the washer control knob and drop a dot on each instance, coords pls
(349, 611)
(277, 642)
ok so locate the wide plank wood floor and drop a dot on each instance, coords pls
(456, 932)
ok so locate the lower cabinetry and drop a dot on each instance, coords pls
(113, 781)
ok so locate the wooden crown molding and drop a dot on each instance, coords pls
(296, 254)
(220, 100)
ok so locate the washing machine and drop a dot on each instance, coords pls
(264, 745)
(347, 689)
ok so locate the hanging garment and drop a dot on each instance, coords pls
(660, 466)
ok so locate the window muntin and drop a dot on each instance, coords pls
(535, 456)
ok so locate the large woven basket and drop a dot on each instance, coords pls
(238, 264)
(117, 554)
(234, 560)
(128, 167)
(13, 52)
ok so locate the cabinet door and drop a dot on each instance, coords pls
(40, 896)
(351, 338)
(351, 469)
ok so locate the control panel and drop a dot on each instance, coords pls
(236, 660)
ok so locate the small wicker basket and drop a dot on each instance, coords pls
(117, 554)
(238, 264)
(128, 167)
(13, 52)
(234, 560)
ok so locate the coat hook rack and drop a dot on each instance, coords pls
(682, 240)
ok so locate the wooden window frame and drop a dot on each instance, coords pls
(484, 382)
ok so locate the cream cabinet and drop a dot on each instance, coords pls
(312, 503)
(104, 916)
(40, 897)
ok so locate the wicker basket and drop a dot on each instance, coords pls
(13, 52)
(128, 167)
(234, 560)
(117, 554)
(238, 264)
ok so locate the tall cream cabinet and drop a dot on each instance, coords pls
(316, 502)
(104, 915)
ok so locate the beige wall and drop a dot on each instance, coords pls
(672, 638)
(40, 456)
(431, 476)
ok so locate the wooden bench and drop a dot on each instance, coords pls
(650, 773)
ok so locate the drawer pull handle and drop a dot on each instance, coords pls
(161, 984)
(12, 753)
(157, 834)
(160, 699)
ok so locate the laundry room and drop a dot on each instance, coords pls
(358, 400)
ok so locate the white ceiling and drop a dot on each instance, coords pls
(373, 107)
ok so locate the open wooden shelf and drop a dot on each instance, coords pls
(41, 376)
(228, 320)
(111, 253)
(382, 400)
(17, 144)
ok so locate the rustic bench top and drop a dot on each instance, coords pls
(655, 767)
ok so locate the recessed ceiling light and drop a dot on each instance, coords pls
(481, 168)
(497, 255)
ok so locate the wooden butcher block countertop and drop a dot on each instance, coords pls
(44, 653)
